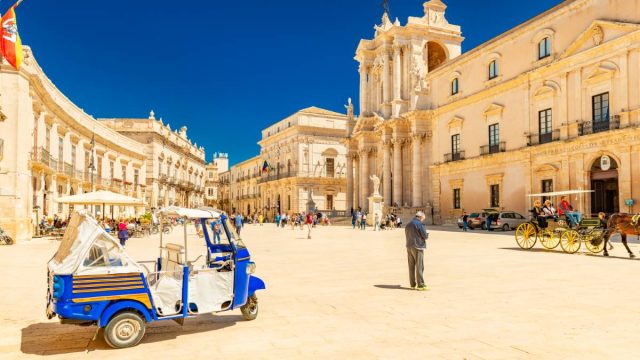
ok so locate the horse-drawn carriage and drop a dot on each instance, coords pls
(558, 230)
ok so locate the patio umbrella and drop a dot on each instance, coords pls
(101, 197)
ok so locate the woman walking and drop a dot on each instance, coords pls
(123, 233)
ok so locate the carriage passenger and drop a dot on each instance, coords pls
(538, 214)
(564, 209)
(549, 210)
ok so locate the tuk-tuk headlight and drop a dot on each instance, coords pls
(58, 286)
(251, 267)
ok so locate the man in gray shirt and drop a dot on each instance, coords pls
(417, 236)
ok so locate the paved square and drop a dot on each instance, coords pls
(341, 294)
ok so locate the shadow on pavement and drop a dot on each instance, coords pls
(477, 231)
(56, 339)
(393, 287)
(536, 250)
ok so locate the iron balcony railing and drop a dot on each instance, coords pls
(592, 127)
(454, 156)
(537, 139)
(493, 148)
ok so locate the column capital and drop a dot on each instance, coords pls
(387, 144)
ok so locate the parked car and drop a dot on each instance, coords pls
(478, 220)
(508, 220)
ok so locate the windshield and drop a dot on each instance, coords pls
(474, 215)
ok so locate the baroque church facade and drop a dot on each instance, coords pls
(550, 105)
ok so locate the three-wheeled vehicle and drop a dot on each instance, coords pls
(93, 281)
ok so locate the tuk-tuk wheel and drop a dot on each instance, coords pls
(124, 330)
(250, 309)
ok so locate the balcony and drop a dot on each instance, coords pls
(592, 127)
(493, 148)
(538, 139)
(42, 156)
(454, 156)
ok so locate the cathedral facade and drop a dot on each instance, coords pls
(550, 105)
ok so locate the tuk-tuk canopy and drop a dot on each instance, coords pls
(561, 193)
(87, 249)
(203, 213)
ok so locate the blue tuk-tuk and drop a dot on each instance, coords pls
(93, 281)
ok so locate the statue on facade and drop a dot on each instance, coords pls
(349, 108)
(376, 184)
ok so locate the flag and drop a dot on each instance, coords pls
(265, 167)
(11, 44)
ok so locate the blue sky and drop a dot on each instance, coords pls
(225, 69)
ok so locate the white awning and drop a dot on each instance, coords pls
(101, 197)
(174, 211)
(561, 193)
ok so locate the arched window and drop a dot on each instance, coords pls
(544, 48)
(454, 86)
(493, 69)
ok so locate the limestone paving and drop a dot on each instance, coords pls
(343, 294)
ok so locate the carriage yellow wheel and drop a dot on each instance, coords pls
(595, 244)
(570, 241)
(526, 236)
(550, 239)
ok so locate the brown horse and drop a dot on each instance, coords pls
(621, 224)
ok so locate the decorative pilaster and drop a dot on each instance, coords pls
(397, 172)
(364, 178)
(356, 182)
(364, 107)
(397, 72)
(349, 169)
(386, 173)
(416, 166)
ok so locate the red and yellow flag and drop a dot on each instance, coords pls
(10, 43)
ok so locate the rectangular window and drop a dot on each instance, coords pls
(60, 149)
(288, 202)
(124, 173)
(600, 105)
(547, 187)
(495, 196)
(544, 48)
(111, 172)
(329, 202)
(544, 126)
(136, 176)
(330, 167)
(456, 198)
(454, 86)
(47, 143)
(73, 156)
(455, 147)
(494, 138)
(493, 69)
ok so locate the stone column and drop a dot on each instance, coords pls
(53, 206)
(397, 81)
(356, 182)
(416, 167)
(364, 107)
(364, 178)
(349, 202)
(386, 173)
(397, 172)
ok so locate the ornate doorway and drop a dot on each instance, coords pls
(604, 183)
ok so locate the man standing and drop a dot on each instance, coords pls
(238, 223)
(465, 221)
(417, 236)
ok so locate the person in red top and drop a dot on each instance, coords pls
(309, 222)
(123, 233)
(564, 209)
